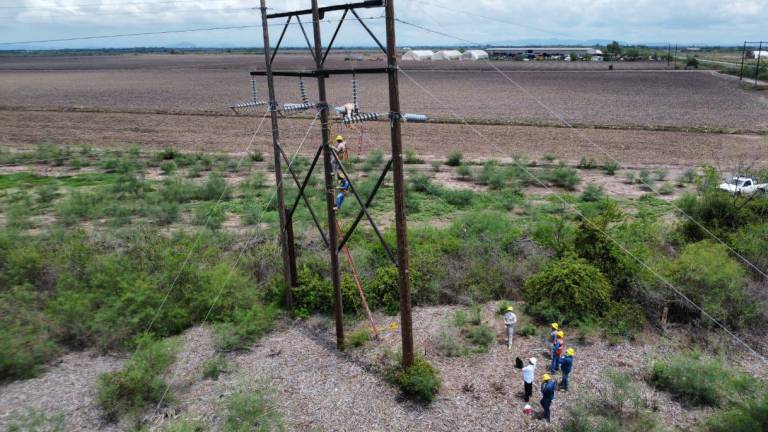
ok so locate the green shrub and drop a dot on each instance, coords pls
(687, 177)
(748, 416)
(412, 158)
(78, 206)
(185, 426)
(246, 327)
(697, 381)
(167, 154)
(629, 177)
(436, 164)
(422, 183)
(707, 274)
(564, 177)
(527, 330)
(210, 216)
(454, 158)
(215, 366)
(419, 382)
(374, 158)
(752, 242)
(47, 193)
(459, 318)
(460, 198)
(358, 338)
(139, 383)
(549, 158)
(35, 420)
(503, 305)
(660, 174)
(481, 336)
(257, 156)
(25, 343)
(666, 189)
(449, 343)
(586, 164)
(592, 193)
(623, 320)
(645, 180)
(691, 63)
(464, 171)
(215, 189)
(475, 315)
(17, 215)
(168, 167)
(570, 286)
(610, 167)
(252, 411)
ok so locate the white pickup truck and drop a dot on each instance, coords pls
(743, 186)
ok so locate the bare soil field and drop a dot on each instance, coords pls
(581, 94)
(432, 141)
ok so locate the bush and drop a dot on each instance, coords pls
(47, 193)
(139, 383)
(454, 158)
(687, 177)
(359, 338)
(666, 189)
(422, 183)
(464, 171)
(527, 330)
(252, 411)
(246, 327)
(697, 381)
(412, 158)
(374, 158)
(436, 164)
(623, 320)
(210, 216)
(564, 177)
(35, 420)
(168, 167)
(570, 286)
(215, 189)
(481, 336)
(257, 156)
(420, 381)
(592, 193)
(185, 426)
(645, 180)
(660, 174)
(748, 416)
(215, 366)
(611, 167)
(707, 274)
(586, 164)
(460, 198)
(503, 305)
(17, 215)
(691, 63)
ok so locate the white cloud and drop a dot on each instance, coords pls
(685, 21)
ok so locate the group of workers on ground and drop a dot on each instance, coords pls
(562, 360)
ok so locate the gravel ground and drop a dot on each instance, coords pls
(66, 388)
(318, 388)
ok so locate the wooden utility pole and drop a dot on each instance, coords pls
(286, 235)
(406, 324)
(394, 116)
(330, 186)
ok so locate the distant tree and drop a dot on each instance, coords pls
(632, 53)
(692, 63)
(613, 48)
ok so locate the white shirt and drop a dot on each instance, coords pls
(341, 146)
(510, 318)
(528, 373)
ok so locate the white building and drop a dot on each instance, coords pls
(474, 55)
(760, 54)
(418, 55)
(447, 55)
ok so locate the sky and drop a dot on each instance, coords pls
(687, 22)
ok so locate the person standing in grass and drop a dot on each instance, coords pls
(566, 365)
(554, 327)
(547, 395)
(528, 373)
(510, 319)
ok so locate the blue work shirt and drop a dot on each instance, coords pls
(548, 390)
(566, 364)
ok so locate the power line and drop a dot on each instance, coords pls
(586, 138)
(203, 29)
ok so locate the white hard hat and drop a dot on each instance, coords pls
(532, 361)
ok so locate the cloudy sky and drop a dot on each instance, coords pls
(487, 21)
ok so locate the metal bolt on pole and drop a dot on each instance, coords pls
(329, 185)
(406, 322)
(286, 235)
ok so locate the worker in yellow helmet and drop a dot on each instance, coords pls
(566, 366)
(553, 333)
(557, 351)
(341, 152)
(547, 395)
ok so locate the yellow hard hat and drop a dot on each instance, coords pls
(510, 308)
(560, 334)
(546, 377)
(339, 138)
(555, 326)
(570, 352)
